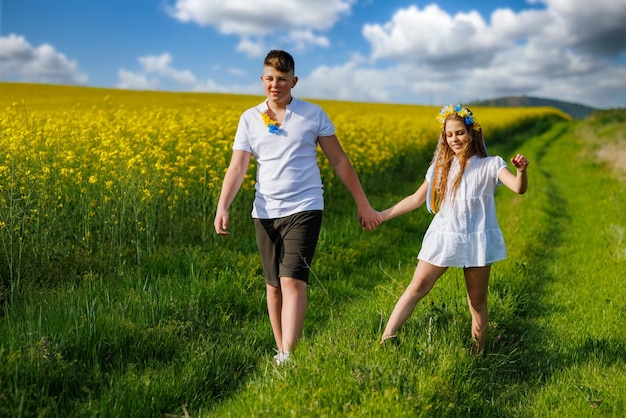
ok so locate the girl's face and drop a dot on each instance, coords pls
(457, 135)
(278, 85)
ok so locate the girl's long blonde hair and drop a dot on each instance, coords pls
(443, 157)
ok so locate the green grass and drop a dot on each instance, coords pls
(189, 328)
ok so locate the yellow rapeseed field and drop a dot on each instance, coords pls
(102, 171)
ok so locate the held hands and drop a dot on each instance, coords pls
(520, 162)
(369, 218)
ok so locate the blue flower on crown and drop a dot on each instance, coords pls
(460, 111)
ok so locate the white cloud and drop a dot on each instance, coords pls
(507, 24)
(347, 82)
(208, 85)
(237, 71)
(566, 50)
(22, 62)
(130, 80)
(433, 37)
(596, 27)
(156, 69)
(264, 18)
(301, 39)
(157, 73)
(213, 87)
(569, 51)
(161, 66)
(252, 48)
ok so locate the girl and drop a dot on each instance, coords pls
(459, 188)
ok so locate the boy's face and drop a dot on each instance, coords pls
(278, 85)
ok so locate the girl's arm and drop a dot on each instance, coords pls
(338, 159)
(235, 174)
(407, 204)
(517, 183)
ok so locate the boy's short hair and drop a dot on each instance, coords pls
(280, 60)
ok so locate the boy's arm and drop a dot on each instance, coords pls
(517, 183)
(235, 174)
(340, 162)
(407, 204)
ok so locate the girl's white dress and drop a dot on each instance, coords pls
(465, 233)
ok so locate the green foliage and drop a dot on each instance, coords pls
(95, 179)
(187, 328)
(606, 117)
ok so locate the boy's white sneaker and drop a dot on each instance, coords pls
(281, 357)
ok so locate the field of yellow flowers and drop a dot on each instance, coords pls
(113, 174)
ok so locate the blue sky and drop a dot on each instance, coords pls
(398, 51)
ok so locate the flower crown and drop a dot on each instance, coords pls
(271, 124)
(461, 111)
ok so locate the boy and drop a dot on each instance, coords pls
(282, 134)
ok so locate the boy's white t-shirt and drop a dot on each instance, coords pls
(288, 177)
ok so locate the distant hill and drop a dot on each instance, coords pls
(576, 111)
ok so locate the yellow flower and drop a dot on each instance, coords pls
(270, 123)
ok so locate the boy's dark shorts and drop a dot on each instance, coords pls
(287, 245)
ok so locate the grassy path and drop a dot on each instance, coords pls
(578, 264)
(558, 308)
(192, 329)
